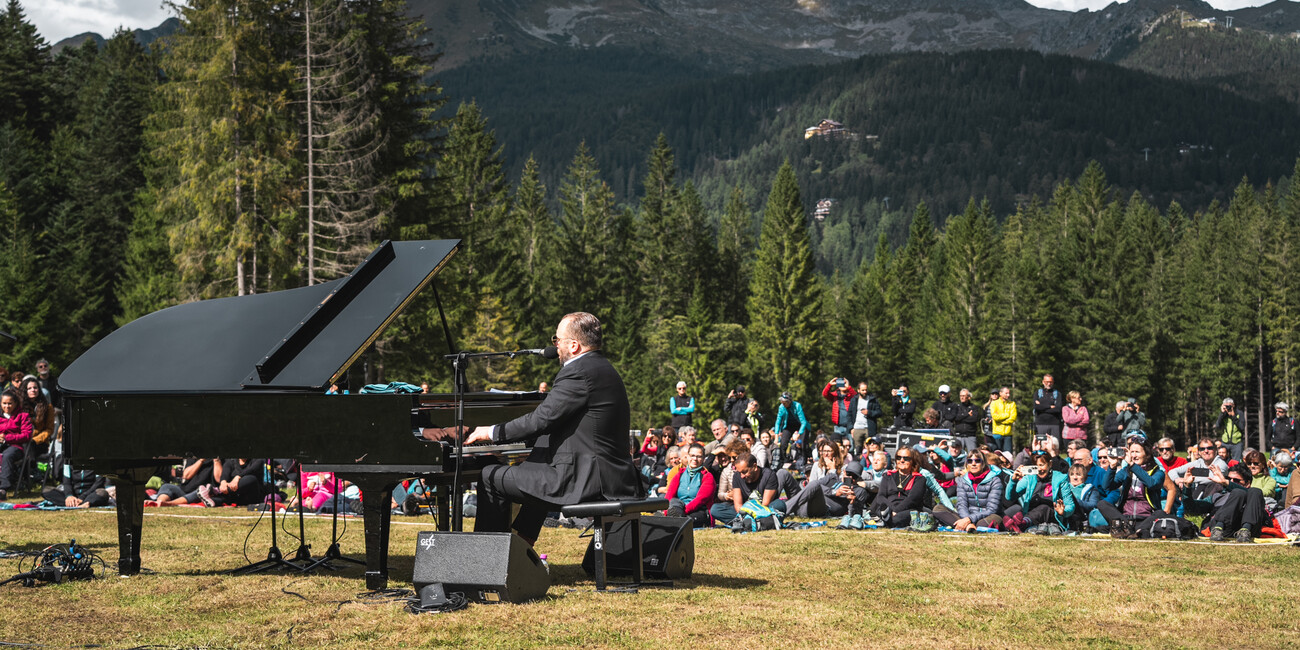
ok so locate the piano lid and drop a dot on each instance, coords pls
(301, 339)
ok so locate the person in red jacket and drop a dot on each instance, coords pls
(691, 490)
(840, 394)
(16, 429)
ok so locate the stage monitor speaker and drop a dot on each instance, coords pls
(486, 567)
(667, 548)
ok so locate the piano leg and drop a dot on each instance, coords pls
(130, 485)
(376, 504)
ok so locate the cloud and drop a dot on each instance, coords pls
(59, 19)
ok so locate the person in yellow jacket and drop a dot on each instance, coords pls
(1003, 412)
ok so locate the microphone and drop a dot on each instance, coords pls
(548, 352)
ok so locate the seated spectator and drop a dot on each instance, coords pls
(673, 458)
(81, 488)
(721, 437)
(829, 460)
(872, 475)
(1193, 479)
(835, 494)
(35, 403)
(1140, 481)
(1093, 473)
(1280, 470)
(238, 482)
(16, 431)
(691, 491)
(765, 449)
(1086, 497)
(1040, 498)
(1047, 445)
(1238, 506)
(1165, 454)
(748, 481)
(1258, 466)
(317, 488)
(979, 498)
(195, 472)
(685, 437)
(902, 491)
(941, 466)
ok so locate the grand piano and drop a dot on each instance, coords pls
(245, 377)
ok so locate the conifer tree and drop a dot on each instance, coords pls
(877, 349)
(912, 271)
(785, 322)
(735, 257)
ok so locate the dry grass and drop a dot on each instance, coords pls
(794, 588)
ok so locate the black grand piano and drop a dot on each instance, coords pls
(245, 377)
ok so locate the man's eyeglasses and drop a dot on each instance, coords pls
(1206, 448)
(1165, 448)
(555, 340)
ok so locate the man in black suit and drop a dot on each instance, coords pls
(580, 451)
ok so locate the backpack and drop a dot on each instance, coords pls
(765, 518)
(1288, 520)
(1165, 526)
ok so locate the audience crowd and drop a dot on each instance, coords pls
(750, 475)
(970, 477)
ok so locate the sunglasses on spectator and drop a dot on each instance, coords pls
(1254, 463)
(1206, 448)
(1165, 448)
(975, 461)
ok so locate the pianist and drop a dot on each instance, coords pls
(579, 433)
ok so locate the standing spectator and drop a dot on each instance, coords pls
(1136, 420)
(1047, 409)
(1282, 429)
(49, 383)
(1113, 426)
(1231, 428)
(681, 406)
(16, 431)
(792, 426)
(903, 406)
(986, 425)
(736, 406)
(966, 416)
(841, 395)
(15, 385)
(945, 408)
(1075, 417)
(1003, 412)
(866, 411)
(753, 419)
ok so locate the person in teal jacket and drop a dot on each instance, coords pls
(788, 433)
(1041, 497)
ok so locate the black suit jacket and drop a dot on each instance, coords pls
(580, 451)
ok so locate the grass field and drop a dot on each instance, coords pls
(817, 588)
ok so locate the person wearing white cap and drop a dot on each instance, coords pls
(1231, 428)
(681, 406)
(945, 407)
(1282, 429)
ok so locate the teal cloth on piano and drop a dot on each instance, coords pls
(394, 387)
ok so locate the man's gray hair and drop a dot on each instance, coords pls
(585, 328)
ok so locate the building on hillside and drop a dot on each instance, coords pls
(827, 129)
(823, 209)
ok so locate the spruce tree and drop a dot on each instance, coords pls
(785, 321)
(735, 257)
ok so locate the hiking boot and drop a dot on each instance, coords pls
(675, 511)
(1244, 536)
(856, 523)
(205, 493)
(1054, 529)
(1015, 523)
(738, 524)
(1216, 534)
(1038, 529)
(844, 523)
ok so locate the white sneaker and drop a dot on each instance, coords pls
(205, 493)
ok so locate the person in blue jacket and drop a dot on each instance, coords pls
(793, 441)
(1042, 497)
(1139, 481)
(681, 406)
(1086, 496)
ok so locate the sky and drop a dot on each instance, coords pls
(59, 19)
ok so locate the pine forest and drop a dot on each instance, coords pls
(271, 144)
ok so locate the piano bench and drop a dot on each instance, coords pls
(605, 513)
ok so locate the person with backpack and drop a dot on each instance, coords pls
(1140, 481)
(1282, 430)
(1047, 409)
(749, 482)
